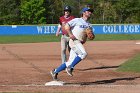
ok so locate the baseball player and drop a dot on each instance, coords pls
(75, 29)
(64, 38)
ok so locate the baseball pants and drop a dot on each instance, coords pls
(64, 46)
(77, 49)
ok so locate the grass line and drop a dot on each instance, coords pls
(132, 65)
(53, 38)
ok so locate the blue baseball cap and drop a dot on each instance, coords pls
(86, 9)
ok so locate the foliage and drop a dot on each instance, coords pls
(49, 11)
(9, 12)
(55, 10)
(32, 12)
(128, 11)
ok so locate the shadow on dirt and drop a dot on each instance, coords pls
(102, 67)
(110, 81)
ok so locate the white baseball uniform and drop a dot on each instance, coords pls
(77, 49)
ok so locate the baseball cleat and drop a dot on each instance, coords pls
(54, 75)
(69, 70)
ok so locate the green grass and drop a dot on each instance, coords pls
(28, 39)
(53, 38)
(132, 65)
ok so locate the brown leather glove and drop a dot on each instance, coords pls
(89, 33)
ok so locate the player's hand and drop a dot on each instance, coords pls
(57, 34)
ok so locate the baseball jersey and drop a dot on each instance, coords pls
(77, 27)
(63, 20)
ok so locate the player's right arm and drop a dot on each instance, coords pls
(69, 26)
(59, 27)
(58, 30)
(68, 29)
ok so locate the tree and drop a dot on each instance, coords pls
(54, 11)
(128, 11)
(9, 12)
(49, 11)
(33, 12)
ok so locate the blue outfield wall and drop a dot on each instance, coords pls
(51, 29)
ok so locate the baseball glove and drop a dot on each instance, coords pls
(89, 33)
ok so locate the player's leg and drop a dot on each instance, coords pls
(79, 49)
(63, 49)
(55, 72)
(76, 55)
(68, 47)
(71, 58)
(68, 38)
(63, 66)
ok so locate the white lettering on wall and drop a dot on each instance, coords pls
(53, 29)
(46, 29)
(132, 28)
(39, 29)
(105, 29)
(113, 29)
(125, 28)
(137, 28)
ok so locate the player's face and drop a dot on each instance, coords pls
(66, 13)
(87, 13)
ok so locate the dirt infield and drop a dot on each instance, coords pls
(26, 67)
